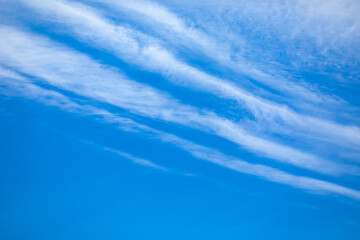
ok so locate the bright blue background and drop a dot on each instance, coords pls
(57, 182)
(55, 186)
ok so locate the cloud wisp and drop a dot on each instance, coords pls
(134, 47)
(75, 72)
(14, 84)
(179, 30)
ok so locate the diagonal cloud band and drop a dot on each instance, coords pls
(75, 72)
(87, 25)
(25, 88)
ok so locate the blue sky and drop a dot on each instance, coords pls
(179, 119)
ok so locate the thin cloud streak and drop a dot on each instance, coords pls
(319, 29)
(26, 89)
(137, 48)
(268, 173)
(208, 45)
(136, 160)
(12, 84)
(72, 71)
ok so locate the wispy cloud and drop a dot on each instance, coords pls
(268, 173)
(307, 32)
(23, 87)
(13, 84)
(137, 48)
(136, 160)
(75, 72)
(172, 26)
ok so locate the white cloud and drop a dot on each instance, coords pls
(136, 160)
(75, 72)
(180, 31)
(26, 89)
(311, 32)
(137, 48)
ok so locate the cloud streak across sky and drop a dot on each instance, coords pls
(81, 75)
(30, 60)
(138, 48)
(17, 85)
